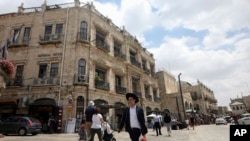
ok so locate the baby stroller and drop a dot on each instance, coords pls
(108, 133)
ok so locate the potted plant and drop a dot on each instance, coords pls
(7, 69)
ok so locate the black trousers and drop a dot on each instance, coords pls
(157, 128)
(134, 134)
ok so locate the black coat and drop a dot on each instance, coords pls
(126, 120)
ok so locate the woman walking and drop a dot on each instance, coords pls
(96, 127)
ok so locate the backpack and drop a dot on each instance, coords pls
(167, 119)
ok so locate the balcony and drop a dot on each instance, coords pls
(50, 39)
(137, 93)
(136, 63)
(20, 42)
(149, 97)
(195, 96)
(120, 89)
(99, 84)
(157, 99)
(102, 45)
(83, 37)
(46, 81)
(120, 55)
(80, 79)
(146, 70)
(16, 82)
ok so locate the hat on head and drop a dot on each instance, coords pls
(132, 95)
(91, 103)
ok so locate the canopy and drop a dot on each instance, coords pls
(153, 115)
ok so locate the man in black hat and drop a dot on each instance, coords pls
(133, 118)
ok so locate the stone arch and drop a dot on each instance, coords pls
(148, 110)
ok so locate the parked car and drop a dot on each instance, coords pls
(244, 120)
(20, 125)
(229, 119)
(219, 121)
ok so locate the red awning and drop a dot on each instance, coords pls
(8, 102)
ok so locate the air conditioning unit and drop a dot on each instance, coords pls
(82, 78)
(55, 37)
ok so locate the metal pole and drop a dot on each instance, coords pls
(182, 101)
(178, 109)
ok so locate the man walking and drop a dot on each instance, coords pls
(133, 118)
(157, 124)
(168, 120)
(90, 110)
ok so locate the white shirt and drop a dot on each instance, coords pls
(134, 123)
(157, 119)
(96, 121)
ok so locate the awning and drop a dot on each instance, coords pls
(8, 102)
(44, 102)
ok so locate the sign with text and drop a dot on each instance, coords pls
(239, 132)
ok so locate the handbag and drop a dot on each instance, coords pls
(143, 139)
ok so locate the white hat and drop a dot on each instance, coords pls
(91, 103)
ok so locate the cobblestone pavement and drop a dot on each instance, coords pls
(201, 133)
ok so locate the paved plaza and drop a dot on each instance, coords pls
(201, 133)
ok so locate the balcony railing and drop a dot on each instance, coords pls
(102, 45)
(83, 37)
(146, 70)
(136, 63)
(50, 39)
(157, 99)
(99, 84)
(149, 97)
(120, 89)
(120, 55)
(80, 79)
(20, 42)
(46, 81)
(137, 93)
(16, 82)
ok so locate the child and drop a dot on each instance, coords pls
(82, 132)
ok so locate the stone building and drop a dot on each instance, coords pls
(222, 111)
(246, 100)
(204, 101)
(238, 106)
(196, 98)
(68, 54)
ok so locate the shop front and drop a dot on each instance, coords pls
(7, 108)
(44, 108)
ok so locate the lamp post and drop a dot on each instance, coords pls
(182, 102)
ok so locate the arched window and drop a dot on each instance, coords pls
(84, 31)
(81, 69)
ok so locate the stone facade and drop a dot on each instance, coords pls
(196, 98)
(68, 56)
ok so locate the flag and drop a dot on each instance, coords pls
(4, 49)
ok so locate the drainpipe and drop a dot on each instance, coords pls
(63, 57)
(182, 101)
(90, 25)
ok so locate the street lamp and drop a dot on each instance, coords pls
(182, 101)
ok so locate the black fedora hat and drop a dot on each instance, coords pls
(132, 95)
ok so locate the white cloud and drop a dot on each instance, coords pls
(220, 61)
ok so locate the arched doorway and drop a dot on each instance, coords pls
(148, 110)
(104, 107)
(79, 111)
(186, 105)
(119, 108)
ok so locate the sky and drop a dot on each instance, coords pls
(205, 40)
